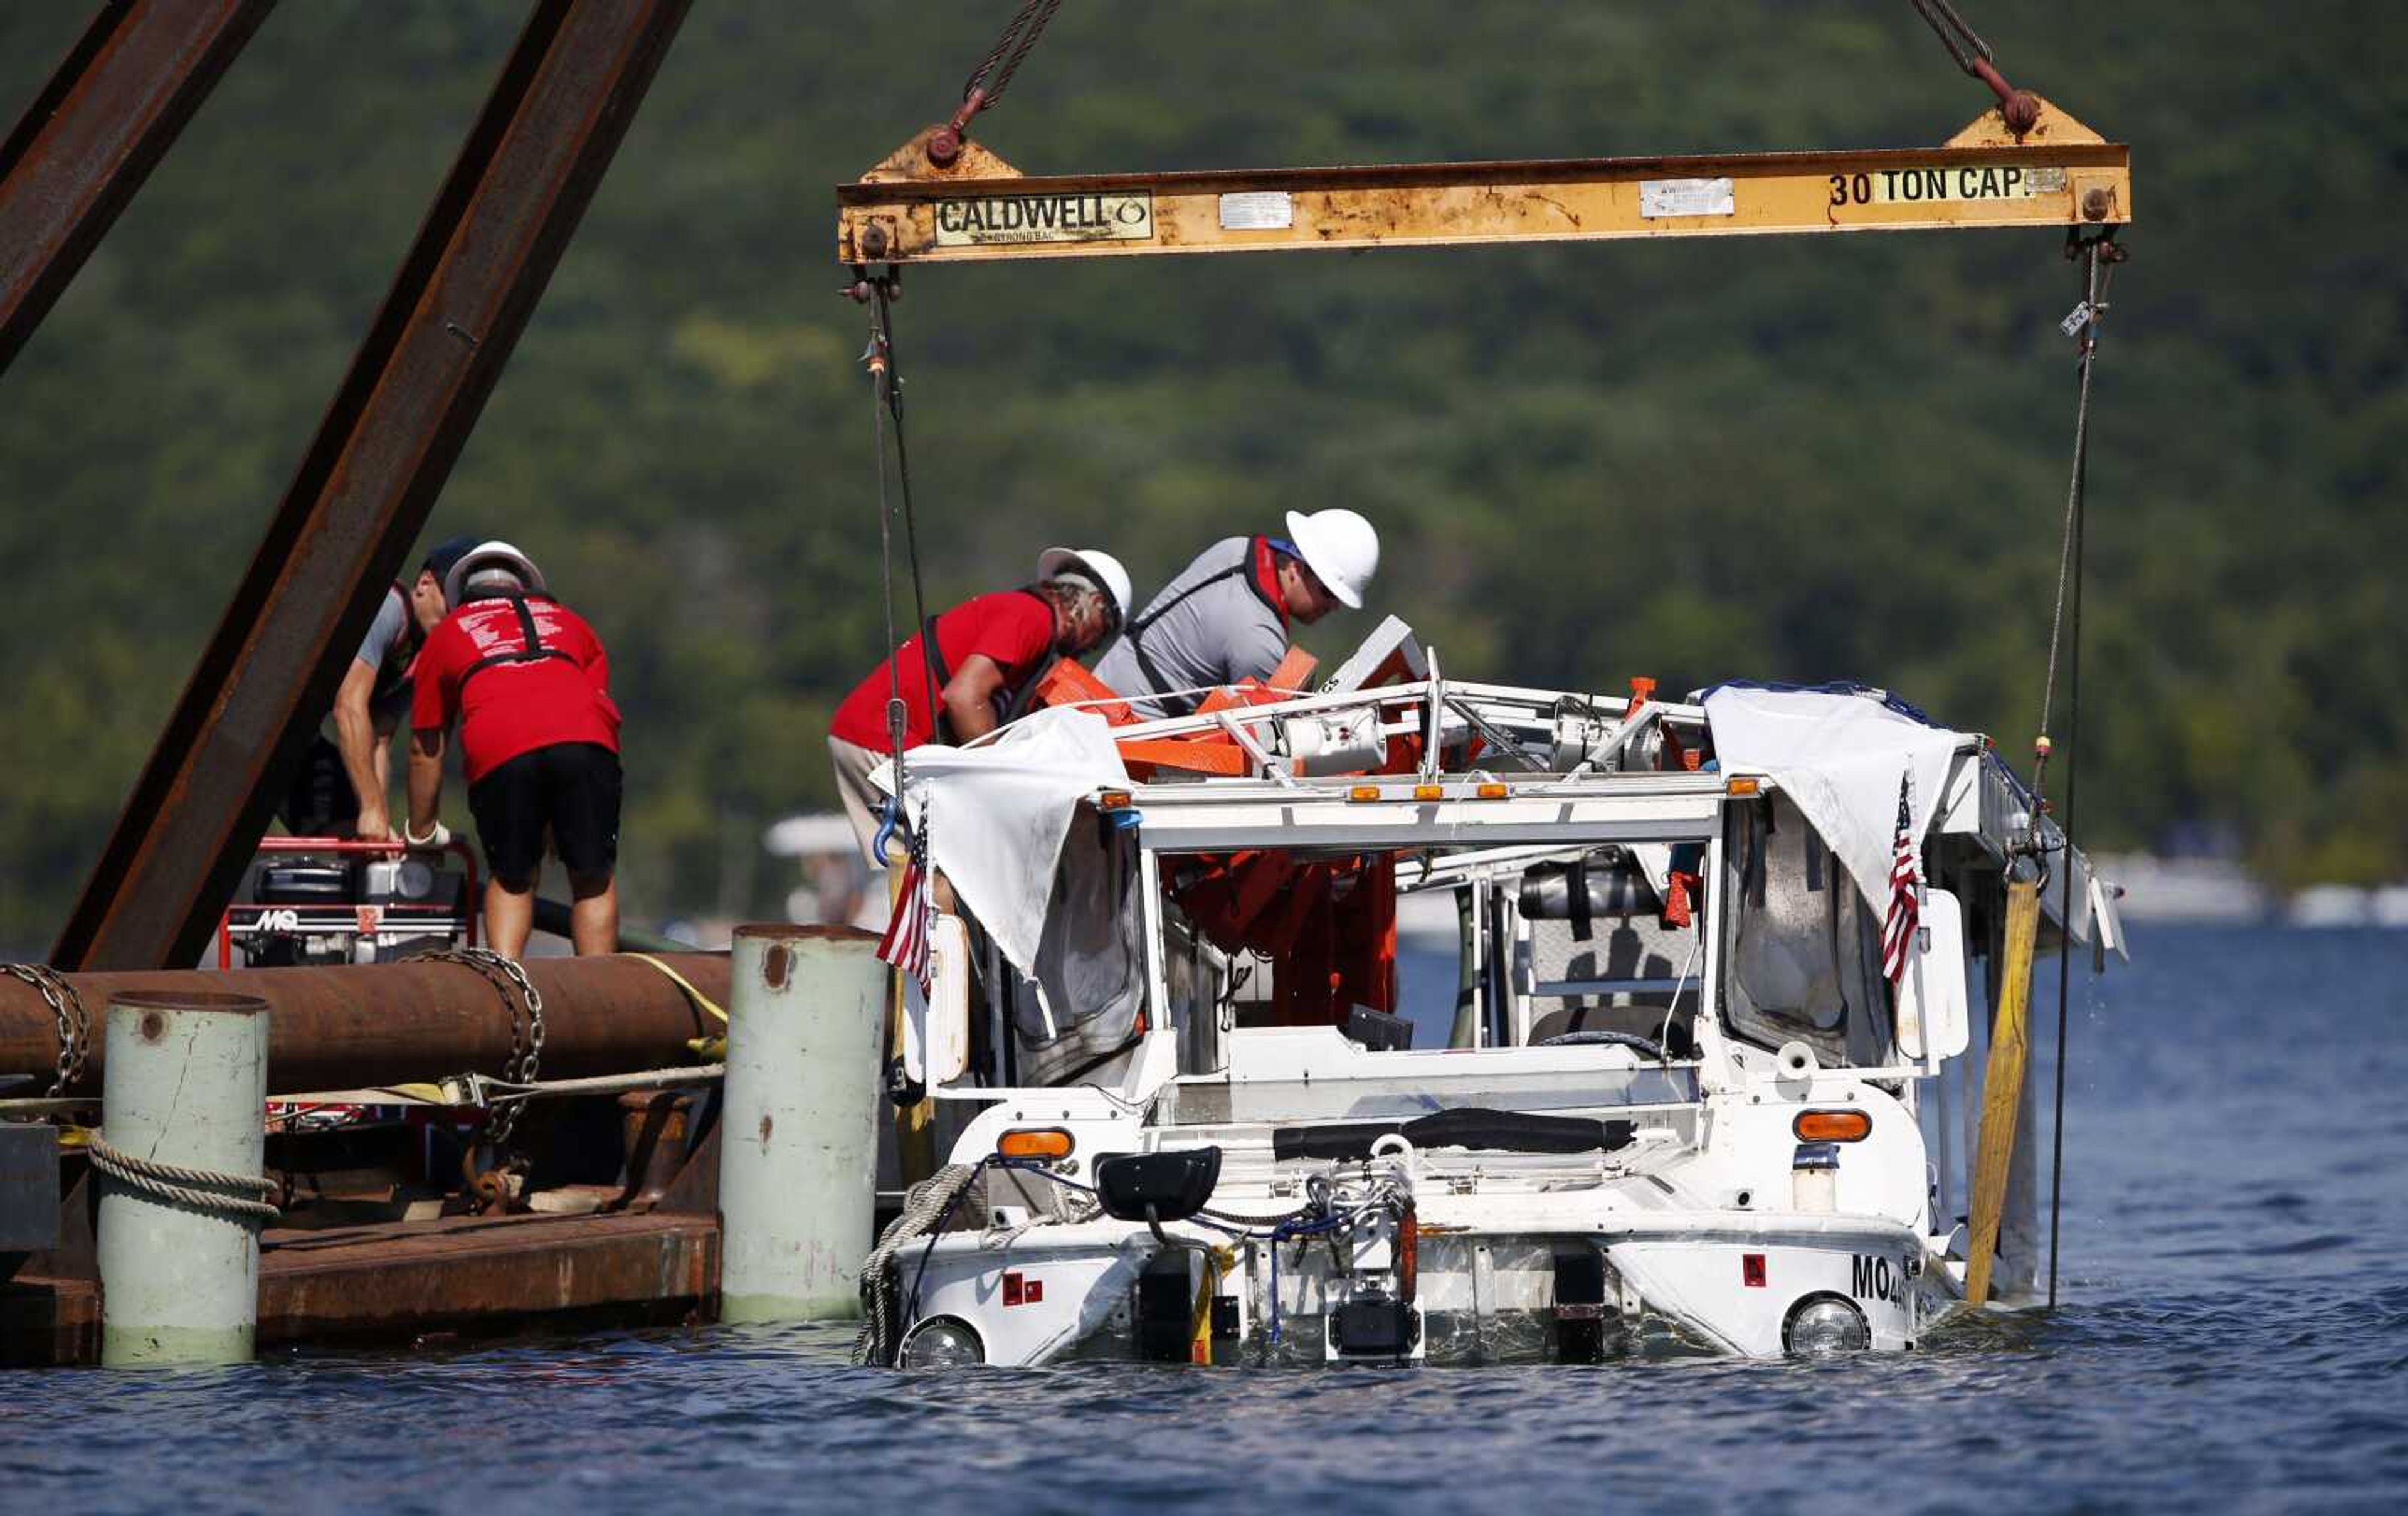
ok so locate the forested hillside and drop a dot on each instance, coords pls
(1805, 459)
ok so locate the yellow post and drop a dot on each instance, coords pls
(2002, 1087)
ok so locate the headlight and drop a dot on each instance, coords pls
(942, 1343)
(1825, 1326)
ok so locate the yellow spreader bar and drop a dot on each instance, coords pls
(979, 208)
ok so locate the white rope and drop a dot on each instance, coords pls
(924, 1205)
(201, 1189)
(608, 1084)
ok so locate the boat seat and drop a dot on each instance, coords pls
(1612, 973)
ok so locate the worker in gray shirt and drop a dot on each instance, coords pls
(1225, 616)
(352, 776)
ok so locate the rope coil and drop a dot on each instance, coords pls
(925, 1208)
(203, 1190)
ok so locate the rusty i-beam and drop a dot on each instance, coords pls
(371, 476)
(108, 113)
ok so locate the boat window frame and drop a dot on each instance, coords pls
(1886, 1008)
(1709, 830)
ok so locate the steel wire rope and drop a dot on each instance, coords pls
(1963, 43)
(987, 82)
(890, 388)
(877, 358)
(2018, 109)
(2098, 273)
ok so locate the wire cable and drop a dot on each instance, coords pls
(2069, 608)
(995, 73)
(928, 654)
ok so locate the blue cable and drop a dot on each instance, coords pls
(1281, 1233)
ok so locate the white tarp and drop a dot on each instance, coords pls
(995, 814)
(1839, 759)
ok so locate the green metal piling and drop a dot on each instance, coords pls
(798, 1146)
(186, 1090)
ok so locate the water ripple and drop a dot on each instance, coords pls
(2234, 1333)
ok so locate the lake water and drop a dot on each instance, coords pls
(2234, 1337)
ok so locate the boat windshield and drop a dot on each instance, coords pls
(1548, 943)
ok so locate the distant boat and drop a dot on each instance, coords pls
(2201, 890)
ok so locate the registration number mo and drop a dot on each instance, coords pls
(1957, 181)
(1872, 1278)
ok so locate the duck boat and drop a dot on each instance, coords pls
(1413, 1021)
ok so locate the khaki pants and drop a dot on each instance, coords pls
(865, 803)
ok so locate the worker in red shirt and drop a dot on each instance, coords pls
(530, 684)
(989, 652)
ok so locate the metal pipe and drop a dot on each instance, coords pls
(188, 1087)
(798, 1146)
(357, 1025)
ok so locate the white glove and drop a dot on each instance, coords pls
(441, 837)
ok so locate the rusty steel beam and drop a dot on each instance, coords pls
(364, 488)
(364, 1025)
(108, 114)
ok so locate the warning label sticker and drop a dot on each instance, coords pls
(1686, 197)
(1257, 211)
(994, 219)
(1957, 182)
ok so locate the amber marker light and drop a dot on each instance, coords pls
(1491, 792)
(1832, 1126)
(1429, 792)
(1363, 792)
(1049, 1141)
(1743, 784)
(1112, 799)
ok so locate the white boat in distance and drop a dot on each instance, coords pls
(1681, 1107)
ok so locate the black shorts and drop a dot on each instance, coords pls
(571, 791)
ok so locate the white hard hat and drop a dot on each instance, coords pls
(494, 554)
(1096, 564)
(1342, 550)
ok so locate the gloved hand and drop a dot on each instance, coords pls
(439, 838)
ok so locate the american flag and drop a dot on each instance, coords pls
(905, 943)
(1905, 890)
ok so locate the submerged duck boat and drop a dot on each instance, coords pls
(1672, 1098)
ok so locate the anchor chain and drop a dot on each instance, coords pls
(67, 1008)
(517, 990)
